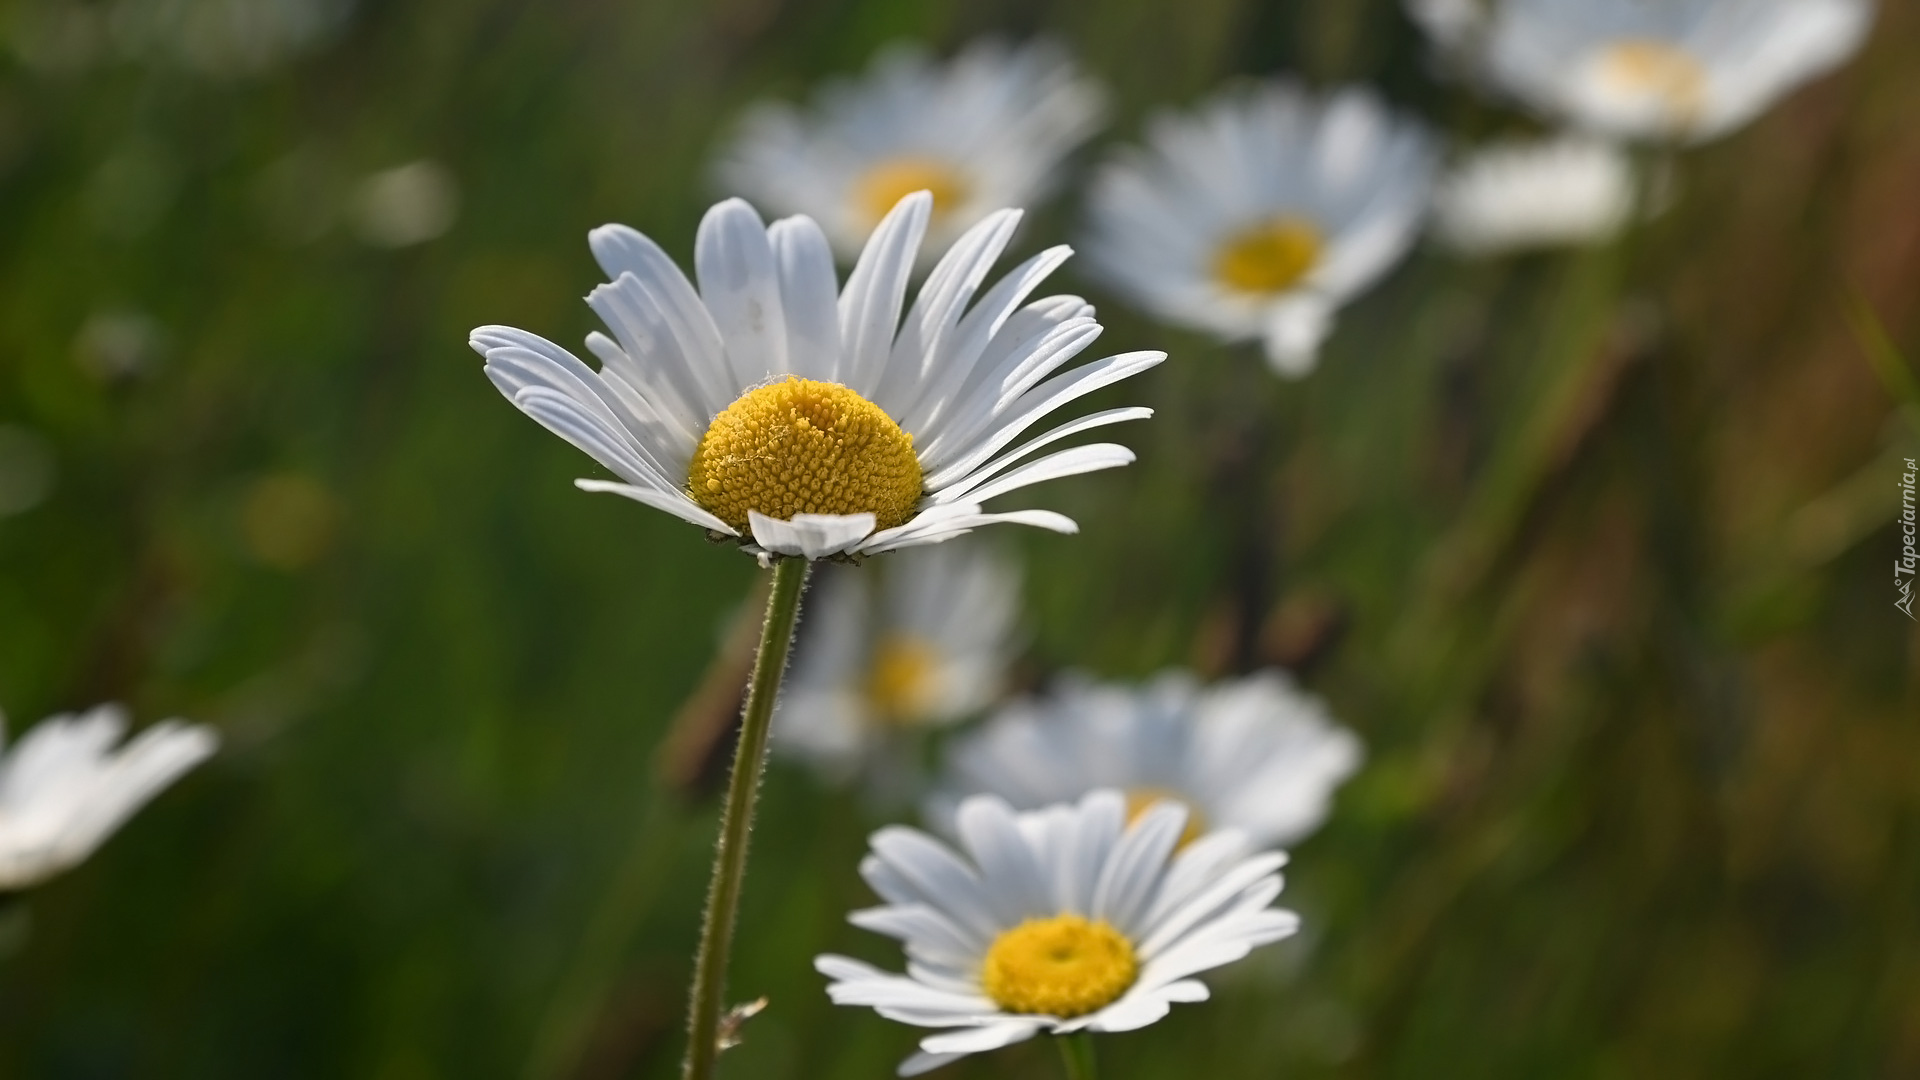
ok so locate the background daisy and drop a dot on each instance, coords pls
(1254, 754)
(67, 784)
(1056, 921)
(986, 129)
(1257, 215)
(1680, 70)
(917, 640)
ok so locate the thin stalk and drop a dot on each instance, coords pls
(1076, 1051)
(743, 789)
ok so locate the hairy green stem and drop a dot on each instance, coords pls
(743, 788)
(1076, 1050)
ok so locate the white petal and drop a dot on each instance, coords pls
(740, 287)
(674, 345)
(1097, 825)
(937, 310)
(1183, 919)
(921, 926)
(675, 331)
(1054, 393)
(1296, 327)
(1011, 877)
(673, 502)
(946, 528)
(974, 468)
(870, 303)
(812, 536)
(809, 294)
(1132, 874)
(941, 878)
(924, 1062)
(1137, 1011)
(1070, 462)
(980, 1039)
(962, 350)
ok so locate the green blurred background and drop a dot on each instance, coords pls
(1592, 548)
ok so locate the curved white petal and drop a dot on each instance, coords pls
(812, 536)
(740, 286)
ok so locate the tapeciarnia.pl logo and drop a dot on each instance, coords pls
(1903, 568)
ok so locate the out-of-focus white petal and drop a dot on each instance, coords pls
(64, 788)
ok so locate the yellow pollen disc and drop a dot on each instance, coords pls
(1141, 800)
(1642, 66)
(896, 178)
(804, 447)
(900, 682)
(1065, 966)
(1270, 257)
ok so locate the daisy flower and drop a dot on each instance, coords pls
(985, 130)
(1259, 214)
(64, 787)
(766, 409)
(925, 648)
(1255, 754)
(1680, 71)
(1055, 921)
(1536, 193)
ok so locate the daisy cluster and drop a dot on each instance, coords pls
(1094, 847)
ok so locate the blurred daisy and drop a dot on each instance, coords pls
(928, 647)
(985, 130)
(1060, 920)
(64, 787)
(1261, 213)
(1525, 194)
(766, 409)
(1254, 754)
(1675, 71)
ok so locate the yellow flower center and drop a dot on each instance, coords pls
(1643, 66)
(804, 447)
(896, 178)
(1270, 257)
(1142, 799)
(900, 682)
(1065, 966)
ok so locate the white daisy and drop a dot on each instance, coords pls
(1669, 71)
(1526, 194)
(1261, 213)
(761, 408)
(1254, 754)
(64, 788)
(984, 130)
(1055, 921)
(926, 647)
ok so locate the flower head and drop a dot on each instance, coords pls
(1567, 190)
(64, 788)
(1258, 215)
(771, 406)
(1253, 754)
(1059, 920)
(926, 646)
(987, 129)
(1680, 71)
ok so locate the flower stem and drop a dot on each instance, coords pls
(743, 788)
(1076, 1050)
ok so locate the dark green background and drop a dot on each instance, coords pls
(1594, 549)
